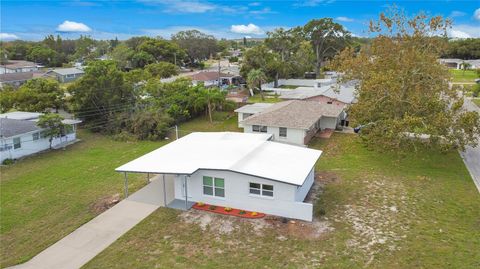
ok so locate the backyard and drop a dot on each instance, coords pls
(417, 210)
(461, 76)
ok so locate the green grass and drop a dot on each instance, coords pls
(476, 101)
(289, 86)
(222, 122)
(463, 76)
(257, 98)
(47, 196)
(435, 224)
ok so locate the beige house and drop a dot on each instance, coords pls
(292, 122)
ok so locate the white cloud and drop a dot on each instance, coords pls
(464, 31)
(476, 14)
(175, 6)
(255, 4)
(344, 19)
(246, 29)
(7, 36)
(71, 26)
(457, 13)
(265, 10)
(313, 3)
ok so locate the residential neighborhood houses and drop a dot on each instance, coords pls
(323, 143)
(20, 136)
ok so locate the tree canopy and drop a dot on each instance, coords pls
(404, 92)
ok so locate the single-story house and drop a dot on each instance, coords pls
(66, 74)
(17, 79)
(18, 66)
(237, 170)
(211, 78)
(20, 136)
(294, 121)
(249, 110)
(337, 94)
(458, 63)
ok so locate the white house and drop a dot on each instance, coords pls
(238, 170)
(20, 136)
(212, 78)
(66, 74)
(294, 121)
(458, 63)
(18, 66)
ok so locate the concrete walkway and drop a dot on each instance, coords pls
(79, 247)
(471, 155)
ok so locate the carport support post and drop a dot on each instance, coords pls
(186, 193)
(126, 184)
(164, 192)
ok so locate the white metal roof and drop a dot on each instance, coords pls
(21, 115)
(68, 71)
(244, 153)
(253, 108)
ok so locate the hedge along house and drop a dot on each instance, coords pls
(295, 121)
(238, 170)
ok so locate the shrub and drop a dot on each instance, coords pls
(8, 162)
(254, 214)
(212, 207)
(242, 212)
(227, 209)
(200, 204)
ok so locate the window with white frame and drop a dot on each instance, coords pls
(282, 132)
(261, 189)
(35, 136)
(17, 143)
(259, 128)
(214, 186)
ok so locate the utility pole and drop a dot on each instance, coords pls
(219, 72)
(175, 58)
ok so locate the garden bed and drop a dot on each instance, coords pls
(228, 211)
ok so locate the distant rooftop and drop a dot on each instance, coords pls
(209, 75)
(21, 115)
(295, 114)
(19, 76)
(253, 108)
(67, 71)
(12, 64)
(344, 92)
(13, 127)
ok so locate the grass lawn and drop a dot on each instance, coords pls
(289, 86)
(47, 196)
(257, 98)
(420, 210)
(476, 101)
(463, 76)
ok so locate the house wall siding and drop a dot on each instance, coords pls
(237, 195)
(302, 191)
(294, 136)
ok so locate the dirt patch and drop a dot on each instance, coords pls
(105, 203)
(283, 227)
(379, 219)
(322, 178)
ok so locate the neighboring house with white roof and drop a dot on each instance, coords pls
(337, 94)
(238, 170)
(294, 121)
(249, 110)
(66, 74)
(458, 63)
(18, 66)
(20, 136)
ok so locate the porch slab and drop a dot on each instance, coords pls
(180, 204)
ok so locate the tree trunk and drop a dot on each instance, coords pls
(318, 61)
(210, 112)
(275, 82)
(50, 140)
(261, 91)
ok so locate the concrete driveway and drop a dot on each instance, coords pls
(471, 156)
(79, 247)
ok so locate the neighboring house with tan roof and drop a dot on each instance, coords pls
(211, 78)
(17, 79)
(18, 66)
(66, 74)
(338, 94)
(294, 121)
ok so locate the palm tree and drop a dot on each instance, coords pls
(255, 78)
(210, 99)
(465, 66)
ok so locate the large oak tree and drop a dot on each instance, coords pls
(404, 93)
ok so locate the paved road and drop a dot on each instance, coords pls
(471, 156)
(79, 247)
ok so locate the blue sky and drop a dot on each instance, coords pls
(32, 20)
